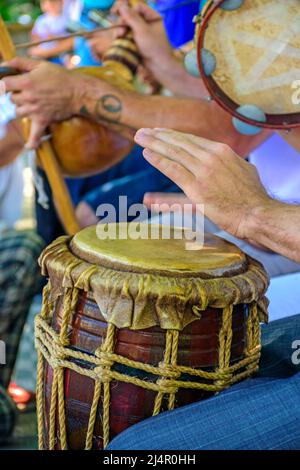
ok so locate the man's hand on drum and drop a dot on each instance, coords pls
(209, 173)
(44, 92)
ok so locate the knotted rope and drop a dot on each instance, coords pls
(54, 349)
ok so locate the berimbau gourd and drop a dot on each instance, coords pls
(84, 147)
(79, 146)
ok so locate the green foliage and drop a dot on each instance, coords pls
(19, 11)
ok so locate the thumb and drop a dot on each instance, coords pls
(147, 12)
(23, 64)
(132, 18)
(37, 129)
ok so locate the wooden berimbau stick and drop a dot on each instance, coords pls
(81, 33)
(45, 154)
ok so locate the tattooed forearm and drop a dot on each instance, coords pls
(108, 108)
(85, 112)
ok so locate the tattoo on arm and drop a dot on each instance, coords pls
(84, 111)
(108, 108)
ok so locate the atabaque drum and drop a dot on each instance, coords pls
(249, 58)
(131, 327)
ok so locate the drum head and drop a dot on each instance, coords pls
(249, 55)
(169, 256)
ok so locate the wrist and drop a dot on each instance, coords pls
(259, 219)
(83, 88)
(164, 65)
(75, 93)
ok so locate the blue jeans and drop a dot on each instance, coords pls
(262, 413)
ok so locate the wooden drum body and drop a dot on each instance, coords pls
(130, 328)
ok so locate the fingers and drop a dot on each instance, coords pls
(23, 111)
(120, 32)
(173, 170)
(195, 153)
(25, 104)
(23, 64)
(85, 215)
(147, 12)
(171, 148)
(165, 199)
(116, 6)
(19, 98)
(37, 129)
(205, 144)
(13, 84)
(21, 82)
(131, 18)
(186, 143)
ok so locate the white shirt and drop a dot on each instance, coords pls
(73, 9)
(47, 26)
(7, 113)
(11, 194)
(11, 176)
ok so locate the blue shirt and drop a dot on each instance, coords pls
(178, 21)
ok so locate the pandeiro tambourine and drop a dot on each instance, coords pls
(249, 58)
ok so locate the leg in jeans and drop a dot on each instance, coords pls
(262, 413)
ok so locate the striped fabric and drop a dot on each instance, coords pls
(7, 415)
(19, 281)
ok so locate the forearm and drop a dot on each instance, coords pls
(11, 145)
(292, 137)
(173, 76)
(277, 226)
(104, 102)
(60, 48)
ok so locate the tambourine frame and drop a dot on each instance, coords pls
(273, 121)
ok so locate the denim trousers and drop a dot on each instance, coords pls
(262, 413)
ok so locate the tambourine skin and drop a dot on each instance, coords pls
(272, 121)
